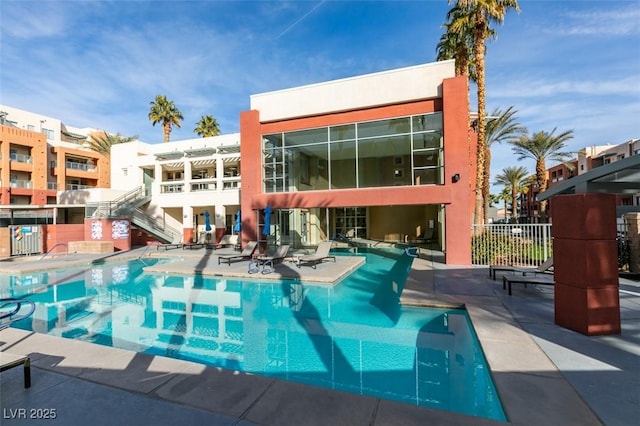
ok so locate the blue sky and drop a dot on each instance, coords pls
(570, 65)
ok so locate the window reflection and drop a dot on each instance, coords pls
(400, 151)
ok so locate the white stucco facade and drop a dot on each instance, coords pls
(186, 178)
(365, 91)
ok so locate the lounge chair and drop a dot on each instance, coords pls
(11, 310)
(322, 253)
(168, 246)
(202, 241)
(9, 360)
(542, 280)
(226, 241)
(540, 269)
(268, 262)
(247, 253)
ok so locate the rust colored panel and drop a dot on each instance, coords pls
(584, 216)
(586, 263)
(592, 311)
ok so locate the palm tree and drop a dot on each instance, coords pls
(505, 196)
(207, 126)
(516, 181)
(165, 112)
(503, 126)
(457, 44)
(102, 141)
(484, 13)
(540, 147)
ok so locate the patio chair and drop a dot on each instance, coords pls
(227, 240)
(247, 253)
(540, 269)
(541, 280)
(202, 241)
(168, 246)
(268, 262)
(322, 253)
(11, 310)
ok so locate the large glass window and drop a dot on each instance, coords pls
(384, 161)
(394, 126)
(351, 222)
(306, 137)
(343, 165)
(273, 163)
(396, 151)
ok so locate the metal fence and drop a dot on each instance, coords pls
(624, 245)
(528, 244)
(511, 244)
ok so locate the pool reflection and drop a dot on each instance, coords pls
(325, 336)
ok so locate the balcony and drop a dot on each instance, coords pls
(171, 188)
(21, 158)
(17, 183)
(203, 185)
(84, 167)
(230, 183)
(75, 187)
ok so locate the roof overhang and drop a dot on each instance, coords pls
(199, 152)
(169, 155)
(73, 135)
(619, 177)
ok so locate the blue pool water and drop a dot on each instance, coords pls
(354, 336)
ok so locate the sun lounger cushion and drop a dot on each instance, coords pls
(247, 253)
(322, 253)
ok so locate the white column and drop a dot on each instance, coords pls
(219, 173)
(220, 216)
(157, 173)
(187, 217)
(187, 175)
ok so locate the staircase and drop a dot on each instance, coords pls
(127, 205)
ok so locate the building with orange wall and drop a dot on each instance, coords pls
(41, 157)
(382, 157)
(587, 159)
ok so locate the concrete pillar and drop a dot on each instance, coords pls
(586, 263)
(633, 235)
(156, 187)
(187, 175)
(187, 224)
(219, 173)
(220, 220)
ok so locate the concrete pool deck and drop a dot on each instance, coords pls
(544, 374)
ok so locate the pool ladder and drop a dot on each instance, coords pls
(146, 249)
(51, 249)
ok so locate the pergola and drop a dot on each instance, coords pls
(585, 247)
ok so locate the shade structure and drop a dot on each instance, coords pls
(237, 226)
(267, 220)
(207, 221)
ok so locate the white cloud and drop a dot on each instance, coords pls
(539, 87)
(613, 20)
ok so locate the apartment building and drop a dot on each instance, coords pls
(41, 156)
(192, 187)
(587, 159)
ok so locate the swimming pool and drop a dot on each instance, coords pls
(354, 336)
